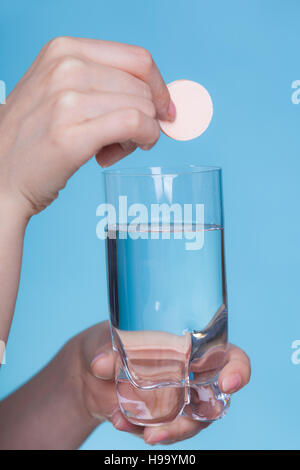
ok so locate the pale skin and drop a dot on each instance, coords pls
(79, 98)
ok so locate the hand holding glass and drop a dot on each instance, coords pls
(167, 292)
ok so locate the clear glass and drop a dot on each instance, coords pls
(167, 291)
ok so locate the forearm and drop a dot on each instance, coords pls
(49, 411)
(12, 230)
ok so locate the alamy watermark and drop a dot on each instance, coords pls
(296, 94)
(2, 352)
(137, 221)
(2, 92)
(295, 357)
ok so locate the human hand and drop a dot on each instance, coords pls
(99, 393)
(80, 97)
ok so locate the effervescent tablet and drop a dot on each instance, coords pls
(194, 110)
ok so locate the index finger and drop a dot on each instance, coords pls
(179, 430)
(236, 373)
(134, 60)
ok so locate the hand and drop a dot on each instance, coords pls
(80, 97)
(99, 395)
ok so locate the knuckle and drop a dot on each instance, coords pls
(64, 67)
(133, 119)
(144, 59)
(58, 45)
(66, 99)
(150, 109)
(68, 64)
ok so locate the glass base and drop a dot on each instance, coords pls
(206, 402)
(162, 405)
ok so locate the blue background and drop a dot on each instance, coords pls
(246, 53)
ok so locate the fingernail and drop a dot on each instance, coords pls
(98, 357)
(144, 147)
(172, 111)
(231, 383)
(157, 437)
(116, 421)
(102, 355)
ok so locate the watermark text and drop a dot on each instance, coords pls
(296, 94)
(165, 221)
(2, 352)
(295, 357)
(2, 92)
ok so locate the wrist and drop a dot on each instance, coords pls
(13, 214)
(77, 382)
(54, 417)
(12, 231)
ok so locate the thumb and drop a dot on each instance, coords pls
(98, 355)
(103, 365)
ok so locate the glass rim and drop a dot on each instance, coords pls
(162, 170)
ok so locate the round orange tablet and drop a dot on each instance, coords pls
(194, 110)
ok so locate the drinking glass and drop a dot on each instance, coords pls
(167, 291)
